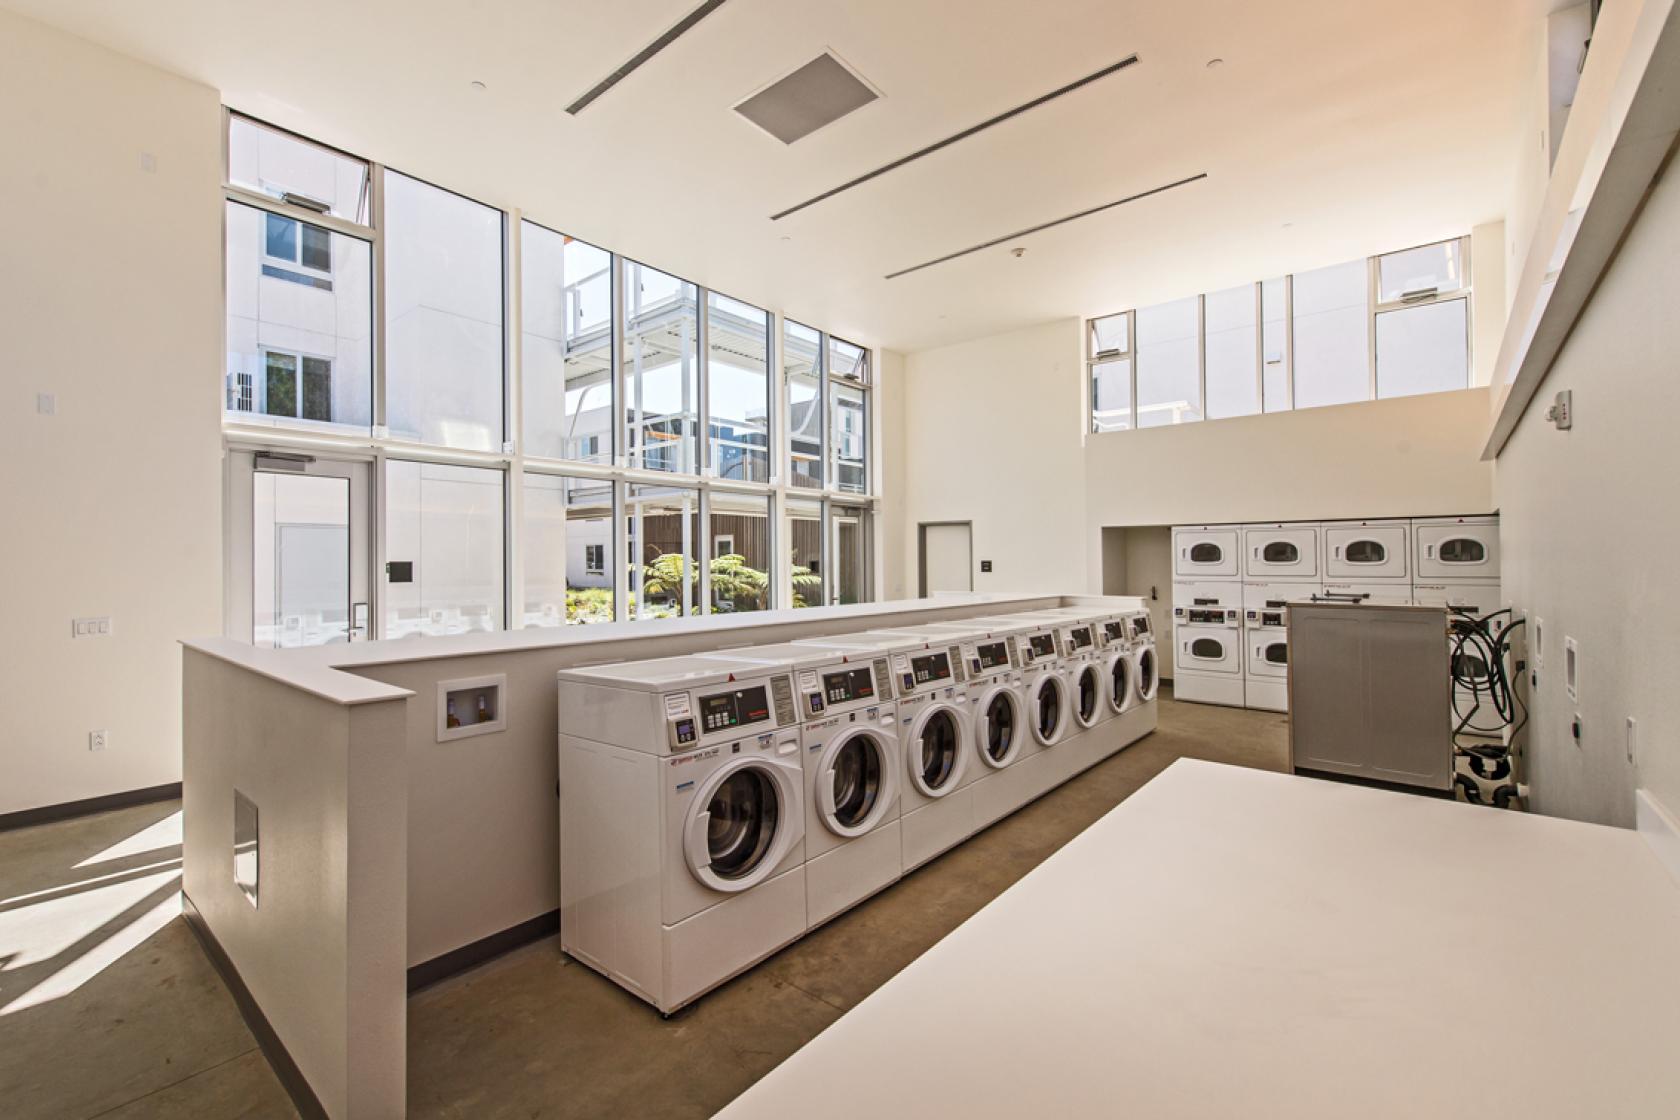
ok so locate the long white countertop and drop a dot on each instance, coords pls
(1236, 943)
(329, 671)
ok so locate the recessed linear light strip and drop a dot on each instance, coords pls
(1129, 60)
(644, 54)
(1044, 226)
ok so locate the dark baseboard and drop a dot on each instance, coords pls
(68, 810)
(427, 973)
(291, 1077)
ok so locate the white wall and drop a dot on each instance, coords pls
(111, 301)
(992, 436)
(996, 436)
(1589, 536)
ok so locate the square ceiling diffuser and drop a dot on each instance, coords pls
(817, 94)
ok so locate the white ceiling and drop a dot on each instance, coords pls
(1333, 129)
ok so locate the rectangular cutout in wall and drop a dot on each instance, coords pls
(471, 706)
(1570, 660)
(245, 862)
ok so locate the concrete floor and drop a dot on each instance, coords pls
(108, 1008)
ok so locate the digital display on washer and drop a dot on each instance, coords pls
(1140, 624)
(849, 684)
(1115, 631)
(723, 710)
(1081, 637)
(1042, 645)
(992, 654)
(931, 667)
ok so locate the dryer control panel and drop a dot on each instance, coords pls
(1272, 617)
(1207, 616)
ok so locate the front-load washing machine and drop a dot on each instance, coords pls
(1045, 685)
(682, 822)
(1207, 655)
(1146, 666)
(1007, 751)
(848, 738)
(936, 804)
(1367, 552)
(1455, 550)
(1207, 552)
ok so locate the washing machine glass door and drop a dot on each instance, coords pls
(935, 751)
(1049, 700)
(1087, 693)
(854, 783)
(999, 729)
(1119, 681)
(741, 824)
(1145, 672)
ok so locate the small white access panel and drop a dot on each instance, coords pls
(1367, 551)
(1454, 549)
(1280, 552)
(1205, 552)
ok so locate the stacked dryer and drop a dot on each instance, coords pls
(1368, 562)
(1457, 564)
(1207, 614)
(1282, 563)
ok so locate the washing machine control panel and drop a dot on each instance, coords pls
(1113, 632)
(1038, 648)
(1078, 639)
(1140, 625)
(725, 710)
(835, 688)
(984, 657)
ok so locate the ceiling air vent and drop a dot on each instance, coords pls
(817, 94)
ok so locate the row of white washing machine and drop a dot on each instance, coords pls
(713, 807)
(1232, 585)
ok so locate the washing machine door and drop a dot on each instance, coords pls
(1086, 692)
(1146, 675)
(857, 783)
(999, 729)
(1120, 672)
(934, 751)
(742, 822)
(1268, 654)
(1047, 707)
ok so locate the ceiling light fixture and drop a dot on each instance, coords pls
(642, 56)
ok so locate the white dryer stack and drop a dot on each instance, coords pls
(1283, 562)
(1207, 614)
(1368, 562)
(1457, 564)
(682, 822)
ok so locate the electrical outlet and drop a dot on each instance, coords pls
(98, 740)
(1632, 740)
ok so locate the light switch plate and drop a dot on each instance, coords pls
(46, 404)
(91, 627)
(98, 740)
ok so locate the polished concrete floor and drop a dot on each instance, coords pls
(108, 1008)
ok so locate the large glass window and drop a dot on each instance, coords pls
(293, 170)
(443, 548)
(566, 351)
(741, 570)
(300, 554)
(850, 408)
(738, 388)
(443, 317)
(661, 370)
(802, 360)
(570, 577)
(1421, 273)
(1233, 352)
(1332, 335)
(1274, 343)
(664, 552)
(1169, 381)
(1423, 349)
(300, 342)
(806, 545)
(1109, 353)
(851, 555)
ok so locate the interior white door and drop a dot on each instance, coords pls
(298, 551)
(947, 558)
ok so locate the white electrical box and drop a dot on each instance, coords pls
(471, 706)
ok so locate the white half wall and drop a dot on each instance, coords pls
(1589, 536)
(111, 304)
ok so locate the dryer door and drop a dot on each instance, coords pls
(1268, 654)
(1450, 550)
(1365, 552)
(742, 822)
(1204, 553)
(1290, 552)
(857, 782)
(1209, 649)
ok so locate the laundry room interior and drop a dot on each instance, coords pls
(766, 558)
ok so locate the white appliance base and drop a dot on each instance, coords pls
(1203, 688)
(1268, 696)
(842, 877)
(938, 825)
